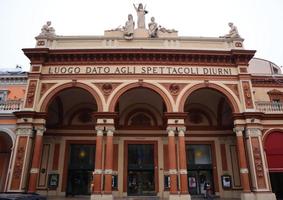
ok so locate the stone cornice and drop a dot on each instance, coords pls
(269, 81)
(30, 114)
(47, 56)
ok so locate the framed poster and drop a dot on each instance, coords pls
(53, 181)
(226, 181)
(192, 182)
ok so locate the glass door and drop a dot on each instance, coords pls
(199, 164)
(141, 170)
(80, 168)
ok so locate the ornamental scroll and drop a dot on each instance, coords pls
(247, 95)
(19, 162)
(258, 163)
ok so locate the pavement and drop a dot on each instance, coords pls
(132, 198)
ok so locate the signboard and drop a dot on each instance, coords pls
(146, 70)
(53, 181)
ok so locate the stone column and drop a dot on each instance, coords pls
(36, 158)
(257, 163)
(97, 174)
(182, 161)
(109, 161)
(172, 161)
(244, 172)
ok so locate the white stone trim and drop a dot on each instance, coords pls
(244, 170)
(98, 171)
(34, 170)
(173, 171)
(108, 171)
(253, 132)
(99, 132)
(183, 171)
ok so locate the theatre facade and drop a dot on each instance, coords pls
(147, 115)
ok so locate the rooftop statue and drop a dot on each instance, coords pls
(152, 28)
(233, 33)
(165, 30)
(141, 12)
(129, 28)
(47, 30)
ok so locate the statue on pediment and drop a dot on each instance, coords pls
(141, 12)
(129, 28)
(152, 28)
(47, 30)
(233, 33)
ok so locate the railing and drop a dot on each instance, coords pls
(10, 105)
(269, 107)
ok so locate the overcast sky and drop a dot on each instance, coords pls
(260, 22)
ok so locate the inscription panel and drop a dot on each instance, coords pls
(135, 69)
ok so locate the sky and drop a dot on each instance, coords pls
(259, 22)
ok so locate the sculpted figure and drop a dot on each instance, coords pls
(141, 15)
(129, 28)
(165, 30)
(233, 33)
(152, 28)
(47, 30)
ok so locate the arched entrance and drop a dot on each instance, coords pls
(6, 144)
(209, 123)
(274, 153)
(141, 112)
(69, 137)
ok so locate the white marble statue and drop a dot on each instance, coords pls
(129, 28)
(47, 30)
(152, 28)
(165, 30)
(233, 33)
(141, 12)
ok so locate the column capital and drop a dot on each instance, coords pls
(110, 130)
(181, 130)
(99, 131)
(27, 131)
(40, 130)
(253, 132)
(171, 130)
(239, 131)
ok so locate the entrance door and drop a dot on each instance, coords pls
(199, 164)
(197, 179)
(81, 166)
(141, 175)
(276, 179)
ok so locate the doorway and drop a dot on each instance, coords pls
(80, 168)
(141, 170)
(199, 164)
(276, 179)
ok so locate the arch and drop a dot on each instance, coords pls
(231, 100)
(52, 94)
(268, 132)
(273, 148)
(140, 85)
(10, 133)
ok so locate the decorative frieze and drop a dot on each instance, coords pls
(19, 163)
(234, 88)
(45, 87)
(31, 93)
(247, 95)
